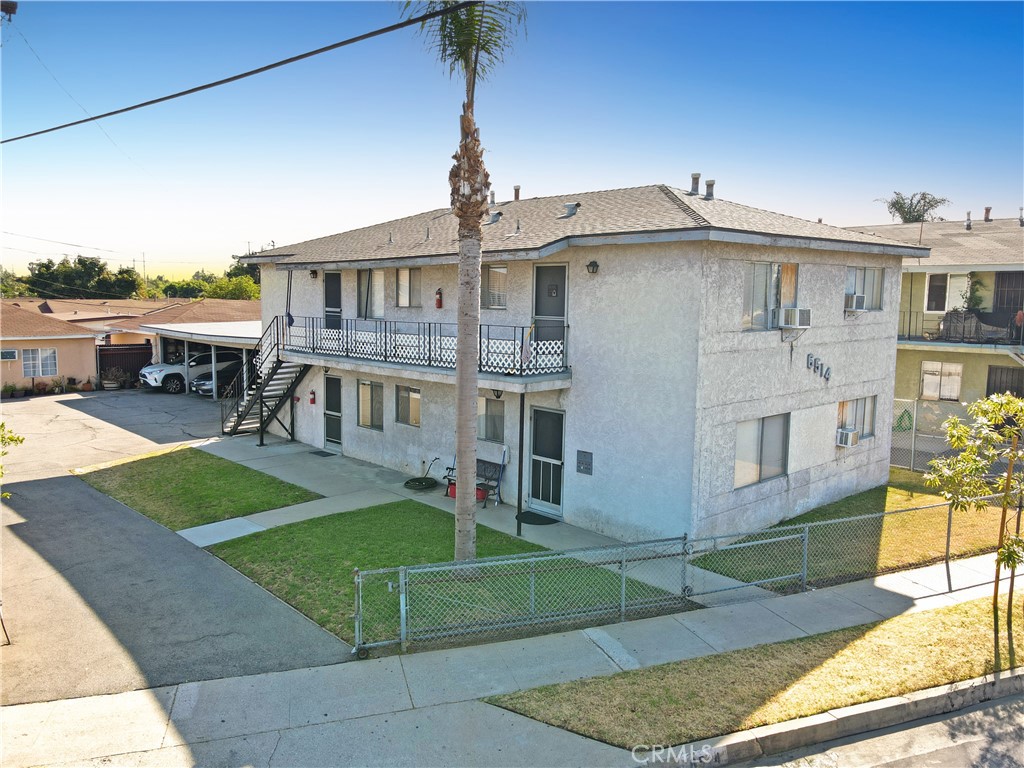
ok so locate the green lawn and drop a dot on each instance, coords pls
(702, 698)
(861, 548)
(310, 564)
(189, 487)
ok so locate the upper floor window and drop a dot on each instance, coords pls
(766, 289)
(867, 282)
(371, 293)
(762, 446)
(1009, 292)
(941, 381)
(1002, 379)
(493, 286)
(39, 362)
(858, 414)
(935, 295)
(407, 281)
(946, 292)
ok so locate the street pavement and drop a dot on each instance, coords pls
(98, 599)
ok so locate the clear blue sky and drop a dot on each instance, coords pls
(810, 109)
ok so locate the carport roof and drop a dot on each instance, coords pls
(245, 333)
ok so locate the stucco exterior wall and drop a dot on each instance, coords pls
(76, 358)
(745, 374)
(661, 374)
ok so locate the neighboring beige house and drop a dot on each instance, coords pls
(98, 314)
(947, 356)
(660, 361)
(38, 348)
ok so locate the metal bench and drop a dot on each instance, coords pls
(488, 480)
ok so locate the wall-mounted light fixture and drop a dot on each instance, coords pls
(497, 394)
(326, 369)
(312, 273)
(592, 267)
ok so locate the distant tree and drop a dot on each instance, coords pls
(912, 208)
(204, 277)
(155, 286)
(83, 278)
(233, 288)
(238, 269)
(12, 286)
(185, 289)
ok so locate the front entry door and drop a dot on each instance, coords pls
(332, 413)
(549, 303)
(547, 461)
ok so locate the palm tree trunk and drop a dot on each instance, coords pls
(469, 182)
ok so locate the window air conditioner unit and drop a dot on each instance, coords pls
(847, 438)
(855, 302)
(794, 317)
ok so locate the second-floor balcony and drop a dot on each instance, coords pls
(507, 350)
(961, 327)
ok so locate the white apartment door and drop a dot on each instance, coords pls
(332, 413)
(547, 462)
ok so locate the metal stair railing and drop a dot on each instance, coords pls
(241, 392)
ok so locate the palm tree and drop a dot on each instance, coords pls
(471, 41)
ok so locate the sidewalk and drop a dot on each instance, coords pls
(422, 709)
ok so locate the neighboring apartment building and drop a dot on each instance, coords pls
(681, 364)
(942, 353)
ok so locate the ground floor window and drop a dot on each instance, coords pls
(762, 446)
(941, 381)
(858, 414)
(407, 406)
(1002, 379)
(490, 420)
(371, 405)
(39, 362)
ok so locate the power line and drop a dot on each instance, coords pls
(260, 70)
(61, 242)
(103, 294)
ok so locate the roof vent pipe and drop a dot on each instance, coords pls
(694, 183)
(516, 190)
(988, 213)
(571, 208)
(519, 230)
(1021, 219)
(710, 194)
(967, 224)
(492, 197)
(428, 233)
(495, 217)
(390, 239)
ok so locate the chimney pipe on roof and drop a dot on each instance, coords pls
(516, 190)
(988, 213)
(492, 197)
(967, 224)
(710, 194)
(1021, 219)
(694, 183)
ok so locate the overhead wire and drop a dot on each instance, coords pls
(259, 70)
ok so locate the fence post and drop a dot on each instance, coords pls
(359, 609)
(913, 438)
(682, 571)
(622, 587)
(803, 567)
(949, 536)
(403, 609)
(533, 587)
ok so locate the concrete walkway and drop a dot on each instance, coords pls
(423, 709)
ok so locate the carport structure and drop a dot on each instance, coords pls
(238, 336)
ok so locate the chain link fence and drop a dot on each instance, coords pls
(917, 432)
(507, 597)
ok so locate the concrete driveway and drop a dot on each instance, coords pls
(99, 599)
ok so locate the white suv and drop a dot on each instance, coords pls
(171, 376)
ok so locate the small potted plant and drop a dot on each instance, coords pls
(7, 391)
(114, 378)
(58, 385)
(86, 386)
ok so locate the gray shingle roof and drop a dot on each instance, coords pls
(541, 221)
(19, 323)
(996, 242)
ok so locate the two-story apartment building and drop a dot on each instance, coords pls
(961, 325)
(675, 363)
